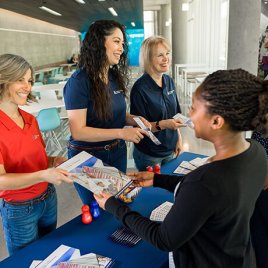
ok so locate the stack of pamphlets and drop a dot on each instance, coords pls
(90, 260)
(187, 166)
(159, 213)
(68, 257)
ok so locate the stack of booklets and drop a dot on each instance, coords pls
(187, 166)
(68, 257)
(159, 213)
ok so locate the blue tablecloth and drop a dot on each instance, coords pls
(95, 236)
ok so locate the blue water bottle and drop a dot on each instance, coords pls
(94, 209)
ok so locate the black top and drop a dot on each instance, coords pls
(208, 225)
(154, 103)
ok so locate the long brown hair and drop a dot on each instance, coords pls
(93, 59)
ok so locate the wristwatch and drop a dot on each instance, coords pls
(157, 125)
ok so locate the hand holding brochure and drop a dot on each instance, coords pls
(151, 135)
(102, 179)
(90, 172)
(185, 120)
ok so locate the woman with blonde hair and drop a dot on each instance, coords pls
(29, 202)
(154, 97)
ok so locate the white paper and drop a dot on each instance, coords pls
(61, 254)
(34, 263)
(185, 120)
(181, 170)
(199, 161)
(187, 165)
(159, 213)
(151, 135)
(103, 179)
(78, 160)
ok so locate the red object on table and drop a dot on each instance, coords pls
(157, 169)
(150, 169)
(86, 215)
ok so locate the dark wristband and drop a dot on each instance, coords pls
(157, 125)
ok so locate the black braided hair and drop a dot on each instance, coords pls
(239, 97)
(93, 58)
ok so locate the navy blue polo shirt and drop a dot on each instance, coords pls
(154, 103)
(77, 95)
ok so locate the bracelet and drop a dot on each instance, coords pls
(157, 125)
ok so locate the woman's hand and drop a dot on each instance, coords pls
(133, 134)
(142, 179)
(55, 176)
(178, 148)
(146, 122)
(102, 198)
(171, 124)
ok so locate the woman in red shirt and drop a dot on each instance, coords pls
(29, 202)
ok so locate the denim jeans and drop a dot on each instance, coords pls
(23, 224)
(144, 160)
(116, 157)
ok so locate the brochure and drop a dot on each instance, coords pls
(90, 172)
(90, 260)
(150, 133)
(65, 256)
(61, 254)
(185, 120)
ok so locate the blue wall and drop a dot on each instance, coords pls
(135, 38)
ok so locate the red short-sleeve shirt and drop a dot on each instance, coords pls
(22, 151)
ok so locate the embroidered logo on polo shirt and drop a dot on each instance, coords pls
(35, 137)
(117, 92)
(170, 92)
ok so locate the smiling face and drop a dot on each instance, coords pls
(17, 92)
(160, 59)
(200, 117)
(114, 45)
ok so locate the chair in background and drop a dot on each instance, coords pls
(48, 94)
(37, 94)
(48, 121)
(51, 95)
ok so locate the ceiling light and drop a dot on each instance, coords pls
(50, 11)
(80, 1)
(101, 0)
(113, 12)
(133, 24)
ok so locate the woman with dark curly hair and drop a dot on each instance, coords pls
(95, 99)
(208, 225)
